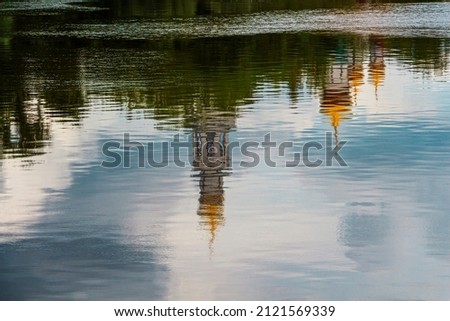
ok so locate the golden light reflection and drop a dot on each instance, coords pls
(356, 78)
(211, 209)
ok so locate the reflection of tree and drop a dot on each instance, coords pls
(28, 131)
(219, 72)
(225, 72)
(36, 92)
(190, 8)
(425, 55)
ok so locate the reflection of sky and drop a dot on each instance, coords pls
(364, 225)
(24, 186)
(79, 267)
(363, 229)
(88, 238)
(377, 229)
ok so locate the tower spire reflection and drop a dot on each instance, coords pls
(336, 97)
(376, 65)
(211, 160)
(342, 85)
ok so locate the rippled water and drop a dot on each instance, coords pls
(75, 76)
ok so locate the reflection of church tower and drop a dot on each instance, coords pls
(210, 160)
(376, 64)
(336, 98)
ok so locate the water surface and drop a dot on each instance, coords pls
(75, 76)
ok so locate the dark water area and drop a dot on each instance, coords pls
(372, 77)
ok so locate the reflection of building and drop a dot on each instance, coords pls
(336, 97)
(210, 160)
(376, 64)
(340, 92)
